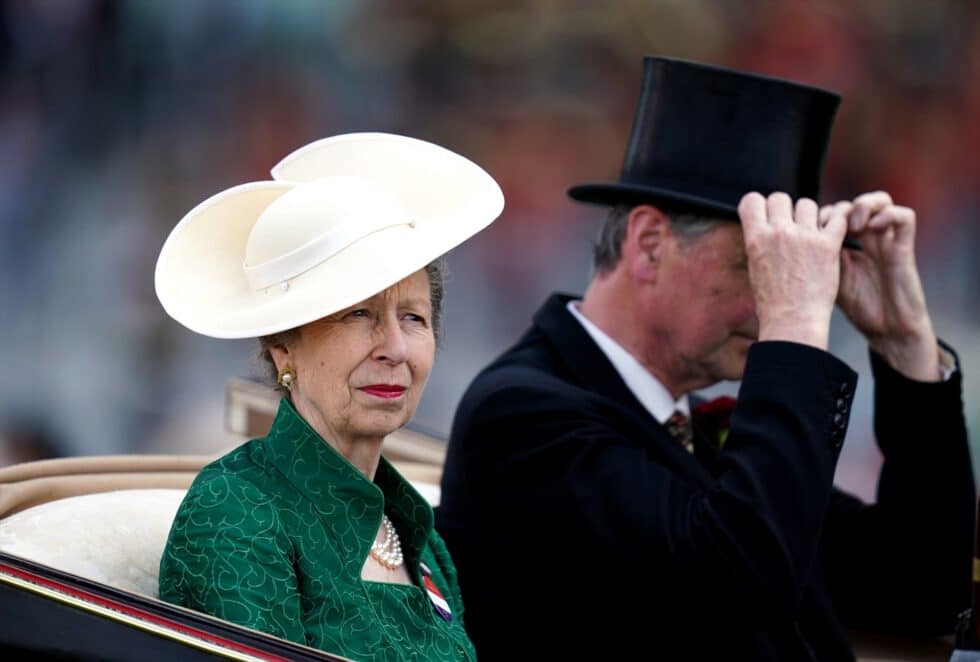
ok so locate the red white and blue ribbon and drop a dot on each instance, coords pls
(438, 602)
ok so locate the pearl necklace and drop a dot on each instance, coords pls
(388, 552)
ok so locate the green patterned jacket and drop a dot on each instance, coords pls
(273, 536)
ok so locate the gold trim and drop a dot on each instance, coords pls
(131, 620)
(976, 569)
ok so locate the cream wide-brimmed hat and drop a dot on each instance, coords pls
(345, 218)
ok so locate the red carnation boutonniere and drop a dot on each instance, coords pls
(715, 417)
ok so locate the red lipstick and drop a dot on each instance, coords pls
(386, 391)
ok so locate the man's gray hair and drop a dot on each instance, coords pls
(609, 246)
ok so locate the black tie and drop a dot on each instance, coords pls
(679, 427)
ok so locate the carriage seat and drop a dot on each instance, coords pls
(107, 518)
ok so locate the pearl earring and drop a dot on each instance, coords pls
(287, 377)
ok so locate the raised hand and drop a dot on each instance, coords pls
(880, 289)
(794, 266)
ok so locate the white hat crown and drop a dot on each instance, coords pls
(313, 222)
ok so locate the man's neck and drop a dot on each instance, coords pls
(627, 324)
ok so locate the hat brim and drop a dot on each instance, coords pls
(200, 278)
(611, 194)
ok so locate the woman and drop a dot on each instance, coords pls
(309, 533)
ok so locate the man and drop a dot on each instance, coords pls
(585, 515)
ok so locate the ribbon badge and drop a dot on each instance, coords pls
(438, 602)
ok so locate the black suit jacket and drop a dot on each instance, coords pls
(580, 528)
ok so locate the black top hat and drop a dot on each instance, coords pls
(704, 136)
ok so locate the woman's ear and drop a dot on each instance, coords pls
(280, 355)
(647, 233)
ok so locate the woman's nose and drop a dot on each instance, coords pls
(391, 346)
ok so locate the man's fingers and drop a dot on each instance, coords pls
(756, 211)
(900, 219)
(875, 200)
(835, 221)
(806, 212)
(867, 205)
(824, 214)
(779, 207)
(752, 211)
(841, 208)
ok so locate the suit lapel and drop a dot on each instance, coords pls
(583, 359)
(590, 369)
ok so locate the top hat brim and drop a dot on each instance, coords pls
(612, 194)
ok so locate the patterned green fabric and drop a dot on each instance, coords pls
(274, 535)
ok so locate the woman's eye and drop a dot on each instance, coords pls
(412, 317)
(360, 312)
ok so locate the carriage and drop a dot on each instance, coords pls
(81, 539)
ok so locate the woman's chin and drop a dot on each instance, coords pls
(381, 424)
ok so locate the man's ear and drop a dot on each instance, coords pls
(647, 233)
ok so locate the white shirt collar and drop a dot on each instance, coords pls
(653, 395)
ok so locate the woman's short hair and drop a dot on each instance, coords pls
(609, 247)
(435, 270)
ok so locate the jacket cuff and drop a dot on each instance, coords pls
(904, 394)
(812, 381)
(949, 364)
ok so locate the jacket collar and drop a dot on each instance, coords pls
(583, 359)
(344, 496)
(590, 369)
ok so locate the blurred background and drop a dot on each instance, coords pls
(117, 117)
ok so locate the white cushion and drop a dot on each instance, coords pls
(115, 538)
